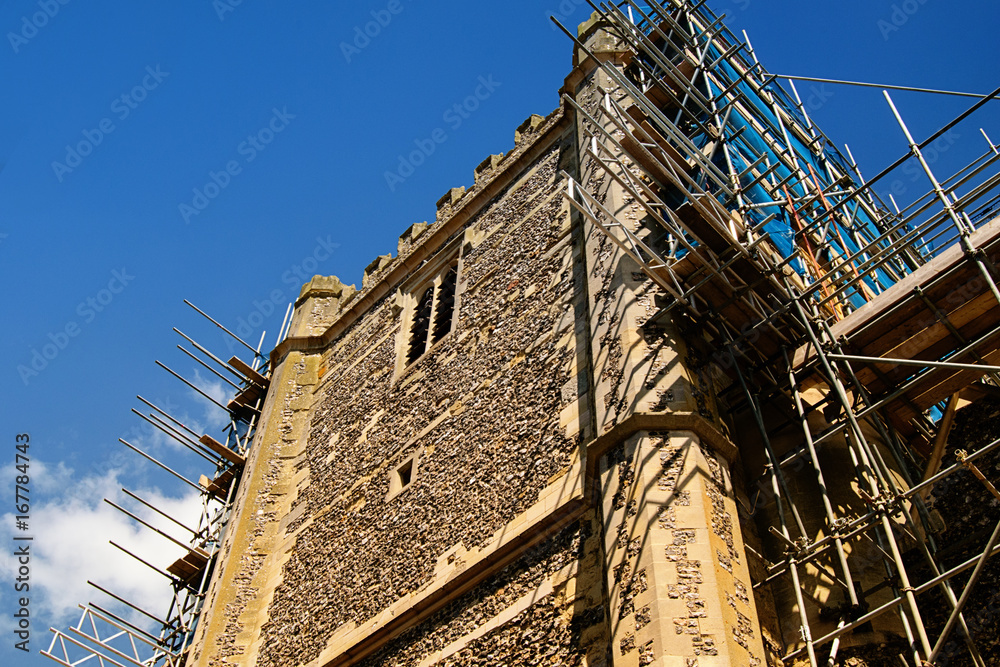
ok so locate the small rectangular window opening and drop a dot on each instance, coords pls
(405, 473)
(403, 476)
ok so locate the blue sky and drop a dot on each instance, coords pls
(262, 106)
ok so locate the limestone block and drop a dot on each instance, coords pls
(378, 265)
(408, 238)
(321, 286)
(448, 202)
(528, 128)
(320, 302)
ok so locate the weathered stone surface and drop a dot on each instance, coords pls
(376, 267)
(409, 237)
(557, 628)
(487, 168)
(508, 541)
(447, 203)
(482, 408)
(529, 127)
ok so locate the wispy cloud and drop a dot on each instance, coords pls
(213, 418)
(71, 533)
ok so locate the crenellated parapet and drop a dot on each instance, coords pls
(408, 238)
(373, 270)
(449, 202)
(324, 300)
(528, 129)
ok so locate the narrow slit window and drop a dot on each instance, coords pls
(445, 307)
(421, 326)
(403, 476)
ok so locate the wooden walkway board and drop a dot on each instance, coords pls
(219, 487)
(250, 373)
(190, 565)
(644, 129)
(905, 322)
(223, 451)
(949, 280)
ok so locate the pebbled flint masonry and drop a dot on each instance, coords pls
(546, 482)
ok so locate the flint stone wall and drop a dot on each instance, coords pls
(481, 411)
(560, 623)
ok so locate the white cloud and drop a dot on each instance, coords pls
(49, 479)
(72, 526)
(71, 534)
(212, 416)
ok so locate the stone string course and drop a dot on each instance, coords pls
(560, 628)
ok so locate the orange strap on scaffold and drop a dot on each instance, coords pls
(818, 270)
(869, 295)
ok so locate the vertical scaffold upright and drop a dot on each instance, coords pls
(842, 328)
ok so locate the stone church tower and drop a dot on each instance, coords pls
(489, 454)
(643, 394)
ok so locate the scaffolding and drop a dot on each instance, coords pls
(824, 310)
(103, 637)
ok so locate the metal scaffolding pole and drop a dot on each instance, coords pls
(692, 146)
